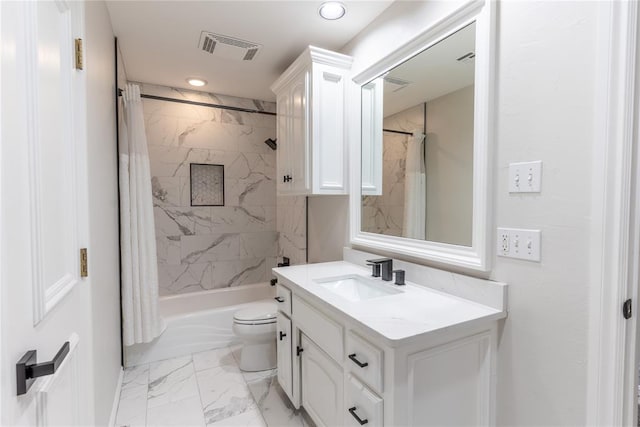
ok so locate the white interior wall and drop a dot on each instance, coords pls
(103, 250)
(546, 63)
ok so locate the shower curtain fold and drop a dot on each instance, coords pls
(414, 223)
(139, 272)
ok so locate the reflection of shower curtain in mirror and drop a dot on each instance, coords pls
(415, 191)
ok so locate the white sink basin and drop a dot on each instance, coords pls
(357, 288)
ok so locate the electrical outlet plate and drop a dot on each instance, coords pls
(525, 177)
(519, 243)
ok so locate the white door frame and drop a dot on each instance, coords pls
(615, 254)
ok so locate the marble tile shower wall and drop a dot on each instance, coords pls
(385, 214)
(202, 248)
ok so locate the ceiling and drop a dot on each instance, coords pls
(159, 39)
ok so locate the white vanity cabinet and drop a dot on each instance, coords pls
(344, 372)
(312, 144)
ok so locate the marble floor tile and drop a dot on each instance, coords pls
(186, 412)
(205, 389)
(132, 408)
(213, 358)
(171, 381)
(136, 376)
(272, 401)
(224, 393)
(249, 418)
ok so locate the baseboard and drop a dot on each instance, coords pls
(116, 399)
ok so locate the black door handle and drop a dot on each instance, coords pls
(27, 368)
(282, 335)
(362, 422)
(279, 299)
(357, 362)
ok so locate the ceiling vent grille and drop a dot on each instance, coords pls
(228, 47)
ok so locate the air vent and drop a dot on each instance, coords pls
(469, 57)
(227, 47)
(395, 84)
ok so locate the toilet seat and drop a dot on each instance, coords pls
(257, 314)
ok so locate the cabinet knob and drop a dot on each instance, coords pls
(282, 335)
(279, 299)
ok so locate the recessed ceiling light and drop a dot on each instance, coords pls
(196, 82)
(332, 10)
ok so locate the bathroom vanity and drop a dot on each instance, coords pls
(355, 350)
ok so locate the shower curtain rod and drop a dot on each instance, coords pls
(397, 131)
(202, 104)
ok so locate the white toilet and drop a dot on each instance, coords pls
(255, 325)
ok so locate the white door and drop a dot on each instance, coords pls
(285, 372)
(43, 216)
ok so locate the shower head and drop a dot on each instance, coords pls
(271, 143)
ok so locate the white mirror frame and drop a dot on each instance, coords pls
(476, 256)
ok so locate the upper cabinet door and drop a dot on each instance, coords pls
(329, 148)
(283, 154)
(299, 134)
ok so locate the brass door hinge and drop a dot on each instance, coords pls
(78, 55)
(84, 268)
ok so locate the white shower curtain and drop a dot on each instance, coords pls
(415, 189)
(140, 320)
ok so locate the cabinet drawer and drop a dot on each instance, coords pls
(365, 361)
(283, 297)
(361, 405)
(322, 330)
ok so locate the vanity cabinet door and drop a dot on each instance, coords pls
(283, 342)
(322, 386)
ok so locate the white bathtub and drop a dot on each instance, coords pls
(196, 322)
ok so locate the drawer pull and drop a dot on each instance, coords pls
(362, 422)
(282, 335)
(279, 299)
(357, 362)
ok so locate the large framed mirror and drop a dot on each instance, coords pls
(421, 165)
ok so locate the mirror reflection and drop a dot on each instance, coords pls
(420, 138)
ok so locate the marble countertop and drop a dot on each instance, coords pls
(397, 318)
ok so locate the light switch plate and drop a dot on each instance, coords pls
(519, 243)
(525, 177)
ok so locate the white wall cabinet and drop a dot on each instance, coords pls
(312, 149)
(344, 376)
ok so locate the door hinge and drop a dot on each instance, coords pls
(627, 311)
(84, 267)
(78, 54)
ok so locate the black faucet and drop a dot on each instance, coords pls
(384, 264)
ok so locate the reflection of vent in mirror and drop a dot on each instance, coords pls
(469, 57)
(228, 47)
(396, 84)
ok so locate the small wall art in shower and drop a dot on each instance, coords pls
(207, 184)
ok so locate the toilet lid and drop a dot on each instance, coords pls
(257, 311)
